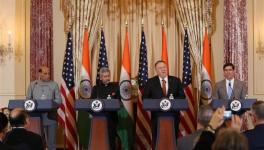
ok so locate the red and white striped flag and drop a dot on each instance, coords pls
(66, 111)
(188, 118)
(143, 121)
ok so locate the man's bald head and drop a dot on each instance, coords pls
(44, 73)
(18, 118)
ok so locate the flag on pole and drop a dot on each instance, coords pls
(84, 121)
(206, 86)
(164, 54)
(66, 111)
(188, 117)
(102, 62)
(143, 121)
(125, 114)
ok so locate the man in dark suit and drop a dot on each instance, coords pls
(255, 136)
(163, 86)
(108, 90)
(230, 88)
(20, 138)
(189, 141)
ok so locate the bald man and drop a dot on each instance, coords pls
(45, 89)
(19, 137)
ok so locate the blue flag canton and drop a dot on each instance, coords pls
(187, 74)
(143, 62)
(67, 71)
(102, 62)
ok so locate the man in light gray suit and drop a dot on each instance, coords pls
(45, 89)
(230, 88)
(204, 116)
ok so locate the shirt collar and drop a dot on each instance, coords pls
(232, 81)
(166, 79)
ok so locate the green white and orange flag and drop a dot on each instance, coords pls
(84, 121)
(86, 67)
(164, 53)
(206, 86)
(125, 114)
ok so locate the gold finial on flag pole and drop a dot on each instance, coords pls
(142, 23)
(102, 25)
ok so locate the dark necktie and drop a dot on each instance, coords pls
(163, 87)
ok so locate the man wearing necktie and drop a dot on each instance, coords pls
(230, 88)
(163, 86)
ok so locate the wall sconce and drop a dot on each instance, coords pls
(6, 50)
(260, 48)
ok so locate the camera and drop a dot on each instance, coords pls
(227, 114)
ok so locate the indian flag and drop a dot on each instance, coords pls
(125, 114)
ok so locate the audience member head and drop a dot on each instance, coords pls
(161, 68)
(204, 115)
(104, 74)
(19, 118)
(44, 73)
(3, 125)
(229, 71)
(230, 139)
(257, 110)
(6, 111)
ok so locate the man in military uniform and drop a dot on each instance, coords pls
(108, 90)
(45, 89)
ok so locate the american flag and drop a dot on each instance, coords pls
(143, 124)
(66, 112)
(102, 62)
(188, 118)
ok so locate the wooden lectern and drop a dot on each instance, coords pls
(41, 106)
(99, 138)
(166, 138)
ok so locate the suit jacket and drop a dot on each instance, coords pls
(4, 146)
(239, 90)
(189, 141)
(153, 88)
(205, 141)
(20, 138)
(255, 137)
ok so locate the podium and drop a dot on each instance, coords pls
(245, 103)
(99, 138)
(166, 108)
(40, 106)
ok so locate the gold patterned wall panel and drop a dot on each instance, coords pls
(14, 19)
(258, 44)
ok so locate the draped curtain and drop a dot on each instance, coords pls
(79, 15)
(41, 34)
(146, 14)
(195, 16)
(235, 36)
